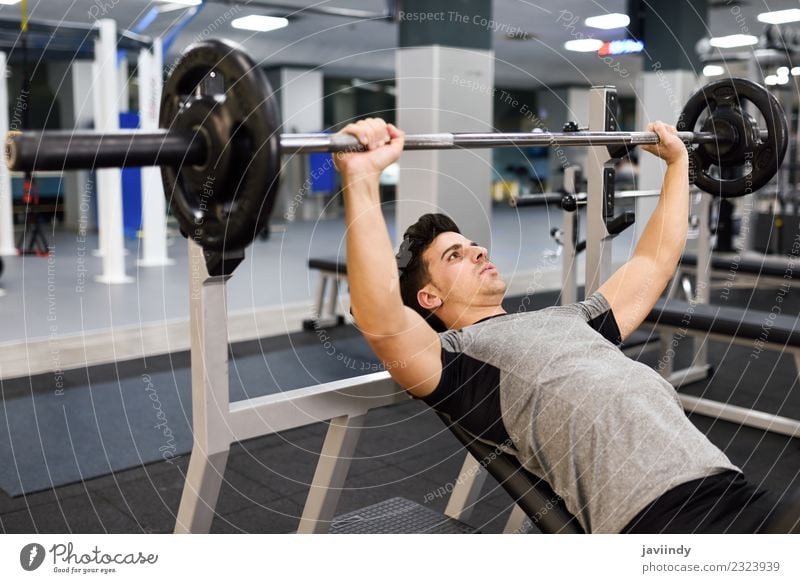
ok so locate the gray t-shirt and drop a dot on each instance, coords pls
(608, 433)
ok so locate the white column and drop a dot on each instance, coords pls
(577, 111)
(552, 111)
(154, 207)
(440, 88)
(6, 218)
(123, 93)
(97, 106)
(79, 202)
(109, 180)
(554, 108)
(300, 93)
(662, 95)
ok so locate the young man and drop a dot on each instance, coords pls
(607, 433)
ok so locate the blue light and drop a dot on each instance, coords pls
(624, 46)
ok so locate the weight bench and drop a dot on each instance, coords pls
(757, 329)
(331, 272)
(535, 500)
(533, 495)
(755, 270)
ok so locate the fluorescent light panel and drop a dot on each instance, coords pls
(776, 80)
(713, 70)
(733, 40)
(260, 23)
(9, 2)
(184, 2)
(608, 21)
(780, 16)
(583, 45)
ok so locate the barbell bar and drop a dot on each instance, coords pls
(73, 150)
(308, 143)
(220, 146)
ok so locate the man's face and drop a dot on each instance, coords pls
(461, 275)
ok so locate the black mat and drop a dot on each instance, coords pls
(129, 414)
(111, 418)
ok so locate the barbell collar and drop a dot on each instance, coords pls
(73, 150)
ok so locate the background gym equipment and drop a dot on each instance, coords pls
(220, 148)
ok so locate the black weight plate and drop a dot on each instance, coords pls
(754, 160)
(218, 91)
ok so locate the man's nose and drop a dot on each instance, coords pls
(479, 254)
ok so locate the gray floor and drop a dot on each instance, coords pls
(405, 450)
(267, 478)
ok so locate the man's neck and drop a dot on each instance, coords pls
(477, 314)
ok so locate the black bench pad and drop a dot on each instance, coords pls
(748, 266)
(328, 264)
(750, 324)
(533, 495)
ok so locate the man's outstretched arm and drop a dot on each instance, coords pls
(636, 286)
(408, 347)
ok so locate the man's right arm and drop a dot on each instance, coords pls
(408, 347)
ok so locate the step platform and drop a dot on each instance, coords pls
(398, 516)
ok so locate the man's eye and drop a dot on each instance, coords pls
(453, 255)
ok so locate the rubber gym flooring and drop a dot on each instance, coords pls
(404, 451)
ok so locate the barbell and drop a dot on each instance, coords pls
(220, 149)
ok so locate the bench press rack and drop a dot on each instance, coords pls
(216, 423)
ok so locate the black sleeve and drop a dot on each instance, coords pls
(606, 324)
(596, 311)
(468, 393)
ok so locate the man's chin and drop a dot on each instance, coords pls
(496, 285)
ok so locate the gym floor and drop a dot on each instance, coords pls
(404, 451)
(274, 273)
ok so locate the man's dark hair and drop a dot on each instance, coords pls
(413, 271)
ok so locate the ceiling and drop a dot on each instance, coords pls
(347, 47)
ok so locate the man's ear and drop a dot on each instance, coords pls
(428, 298)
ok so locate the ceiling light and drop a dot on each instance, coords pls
(9, 2)
(259, 23)
(519, 34)
(584, 45)
(608, 21)
(771, 79)
(625, 46)
(783, 71)
(795, 71)
(184, 2)
(780, 16)
(713, 70)
(733, 40)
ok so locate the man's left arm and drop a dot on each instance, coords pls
(636, 286)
